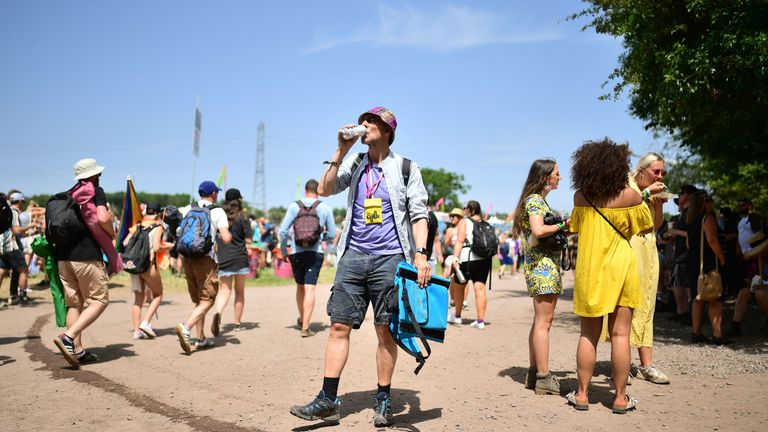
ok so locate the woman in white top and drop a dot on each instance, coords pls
(473, 267)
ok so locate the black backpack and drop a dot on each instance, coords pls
(136, 254)
(63, 224)
(306, 227)
(485, 244)
(6, 214)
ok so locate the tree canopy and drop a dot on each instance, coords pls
(444, 184)
(698, 70)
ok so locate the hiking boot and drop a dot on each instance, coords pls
(546, 384)
(652, 374)
(85, 356)
(382, 410)
(307, 333)
(216, 324)
(530, 379)
(321, 408)
(146, 328)
(67, 347)
(203, 344)
(183, 333)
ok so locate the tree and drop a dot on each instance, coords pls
(276, 214)
(696, 69)
(443, 184)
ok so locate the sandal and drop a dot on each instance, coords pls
(571, 397)
(631, 406)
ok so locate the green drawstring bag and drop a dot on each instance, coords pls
(42, 248)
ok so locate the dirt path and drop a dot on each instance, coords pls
(249, 380)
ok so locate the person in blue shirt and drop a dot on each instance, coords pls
(306, 259)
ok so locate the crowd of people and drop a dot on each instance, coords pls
(629, 257)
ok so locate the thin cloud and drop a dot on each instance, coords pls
(447, 28)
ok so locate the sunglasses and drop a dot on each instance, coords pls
(659, 172)
(370, 118)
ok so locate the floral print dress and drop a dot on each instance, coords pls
(542, 270)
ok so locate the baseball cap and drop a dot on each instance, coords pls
(16, 197)
(385, 115)
(232, 194)
(207, 188)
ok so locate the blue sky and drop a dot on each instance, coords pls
(479, 88)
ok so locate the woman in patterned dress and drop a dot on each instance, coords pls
(542, 269)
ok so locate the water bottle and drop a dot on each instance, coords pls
(456, 271)
(349, 133)
(459, 276)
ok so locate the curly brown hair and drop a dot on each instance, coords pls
(600, 169)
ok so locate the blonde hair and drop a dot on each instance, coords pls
(644, 162)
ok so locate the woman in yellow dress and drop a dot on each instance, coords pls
(647, 179)
(607, 213)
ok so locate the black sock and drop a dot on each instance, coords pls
(331, 387)
(384, 389)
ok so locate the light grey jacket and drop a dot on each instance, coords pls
(391, 166)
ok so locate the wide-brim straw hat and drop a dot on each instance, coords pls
(760, 245)
(456, 212)
(87, 168)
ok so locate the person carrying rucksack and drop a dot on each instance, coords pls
(142, 244)
(79, 255)
(202, 223)
(386, 223)
(312, 222)
(476, 244)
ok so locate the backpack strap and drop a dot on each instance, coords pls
(406, 170)
(357, 162)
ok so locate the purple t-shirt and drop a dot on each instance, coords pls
(373, 239)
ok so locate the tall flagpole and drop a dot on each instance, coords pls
(195, 147)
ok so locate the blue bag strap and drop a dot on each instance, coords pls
(420, 358)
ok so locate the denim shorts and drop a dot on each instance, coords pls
(242, 271)
(362, 279)
(306, 267)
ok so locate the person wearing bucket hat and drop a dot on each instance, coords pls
(81, 267)
(386, 223)
(750, 229)
(87, 168)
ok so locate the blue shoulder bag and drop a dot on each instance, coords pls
(418, 314)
